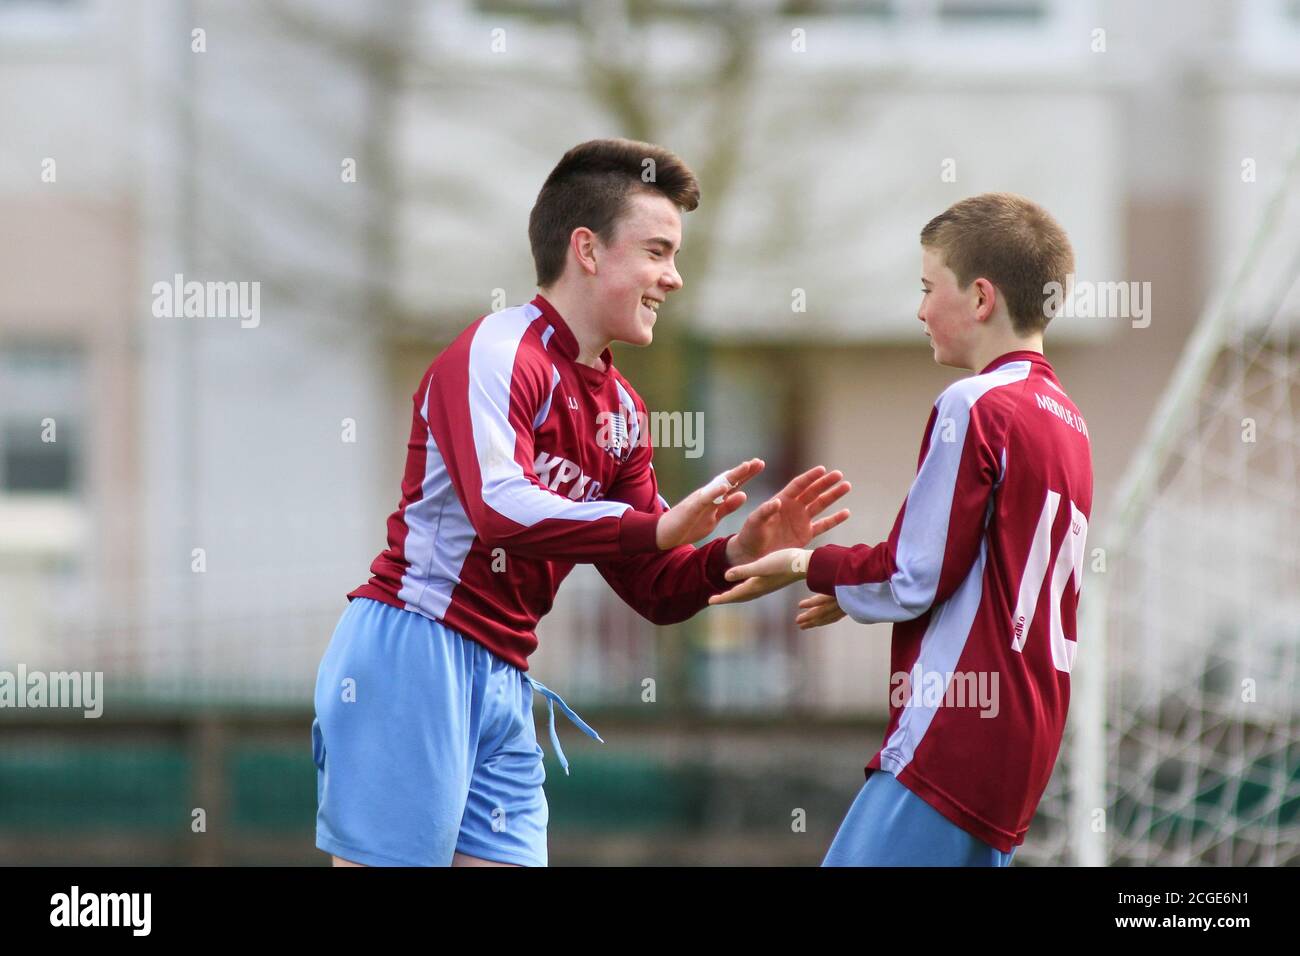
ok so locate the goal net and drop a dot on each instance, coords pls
(1184, 739)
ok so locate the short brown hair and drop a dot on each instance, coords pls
(1012, 242)
(591, 186)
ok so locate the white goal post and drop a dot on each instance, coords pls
(1183, 728)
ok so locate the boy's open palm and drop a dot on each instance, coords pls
(789, 518)
(698, 513)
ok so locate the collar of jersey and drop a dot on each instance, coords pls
(566, 342)
(1017, 356)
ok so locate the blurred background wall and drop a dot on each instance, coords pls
(217, 486)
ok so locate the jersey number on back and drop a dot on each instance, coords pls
(1067, 566)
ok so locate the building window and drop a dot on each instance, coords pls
(42, 402)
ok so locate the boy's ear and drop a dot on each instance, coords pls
(582, 242)
(987, 299)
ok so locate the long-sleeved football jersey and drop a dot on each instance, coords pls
(981, 575)
(522, 462)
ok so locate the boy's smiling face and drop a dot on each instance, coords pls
(637, 270)
(948, 313)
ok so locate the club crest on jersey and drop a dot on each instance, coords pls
(619, 445)
(615, 436)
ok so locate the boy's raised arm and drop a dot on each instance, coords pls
(667, 586)
(934, 542)
(482, 407)
(936, 536)
(673, 585)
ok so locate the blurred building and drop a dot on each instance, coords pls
(139, 150)
(217, 484)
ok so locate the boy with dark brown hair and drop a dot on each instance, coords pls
(424, 739)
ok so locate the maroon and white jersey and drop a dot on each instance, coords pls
(521, 463)
(981, 575)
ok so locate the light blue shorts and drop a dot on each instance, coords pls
(889, 825)
(424, 745)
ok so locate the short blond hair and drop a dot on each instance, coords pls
(1010, 241)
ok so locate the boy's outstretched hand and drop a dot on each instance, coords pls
(818, 611)
(699, 512)
(789, 518)
(767, 574)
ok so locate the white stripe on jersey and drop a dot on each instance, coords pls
(1031, 580)
(439, 534)
(506, 490)
(941, 649)
(629, 410)
(1069, 567)
(546, 405)
(923, 538)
